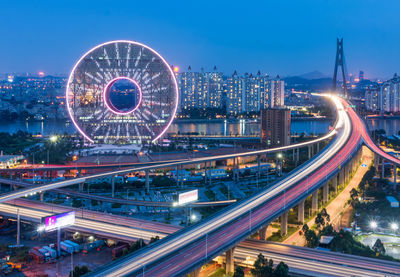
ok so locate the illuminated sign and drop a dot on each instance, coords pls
(187, 197)
(58, 220)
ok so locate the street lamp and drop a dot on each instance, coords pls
(394, 226)
(373, 224)
(279, 156)
(53, 138)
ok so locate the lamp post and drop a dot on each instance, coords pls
(394, 226)
(373, 224)
(280, 157)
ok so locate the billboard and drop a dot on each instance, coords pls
(187, 197)
(58, 220)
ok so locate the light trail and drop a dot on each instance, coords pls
(235, 219)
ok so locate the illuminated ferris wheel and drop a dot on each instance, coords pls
(122, 92)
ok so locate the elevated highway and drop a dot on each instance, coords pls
(304, 261)
(188, 249)
(79, 180)
(121, 201)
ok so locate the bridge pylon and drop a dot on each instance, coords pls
(339, 62)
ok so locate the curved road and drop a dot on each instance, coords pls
(188, 249)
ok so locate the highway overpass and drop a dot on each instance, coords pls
(188, 249)
(121, 201)
(304, 261)
(177, 164)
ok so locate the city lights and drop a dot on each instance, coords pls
(373, 224)
(53, 138)
(394, 226)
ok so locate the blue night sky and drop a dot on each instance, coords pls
(277, 37)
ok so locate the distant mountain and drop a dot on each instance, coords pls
(313, 75)
(301, 83)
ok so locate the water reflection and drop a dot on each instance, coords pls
(202, 127)
(391, 126)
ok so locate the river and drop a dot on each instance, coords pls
(205, 127)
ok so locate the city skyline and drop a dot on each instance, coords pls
(287, 42)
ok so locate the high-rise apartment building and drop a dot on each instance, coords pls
(214, 88)
(238, 94)
(200, 90)
(372, 95)
(275, 127)
(235, 94)
(251, 93)
(385, 97)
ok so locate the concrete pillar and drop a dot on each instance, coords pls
(258, 166)
(205, 173)
(147, 181)
(81, 187)
(181, 176)
(294, 154)
(334, 183)
(237, 170)
(230, 264)
(177, 174)
(376, 161)
(395, 175)
(341, 177)
(317, 147)
(309, 151)
(196, 272)
(284, 227)
(41, 196)
(325, 192)
(263, 233)
(356, 163)
(314, 201)
(112, 186)
(383, 169)
(300, 212)
(298, 154)
(210, 177)
(234, 169)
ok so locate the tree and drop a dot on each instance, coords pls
(262, 267)
(305, 228)
(378, 247)
(311, 239)
(325, 215)
(281, 270)
(319, 221)
(79, 271)
(154, 239)
(327, 231)
(322, 218)
(238, 272)
(353, 194)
